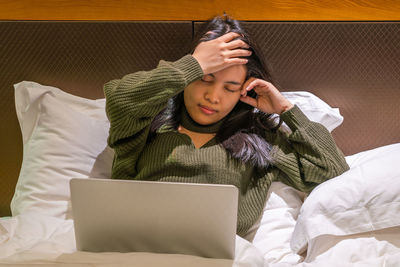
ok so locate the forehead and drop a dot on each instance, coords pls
(233, 73)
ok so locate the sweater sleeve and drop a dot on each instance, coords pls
(132, 103)
(308, 155)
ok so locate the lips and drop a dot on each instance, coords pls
(207, 110)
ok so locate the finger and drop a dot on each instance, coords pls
(256, 82)
(251, 85)
(247, 82)
(243, 91)
(229, 36)
(249, 100)
(236, 44)
(236, 61)
(238, 53)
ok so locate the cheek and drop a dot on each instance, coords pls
(188, 95)
(230, 102)
(192, 92)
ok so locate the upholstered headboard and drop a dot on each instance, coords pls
(351, 65)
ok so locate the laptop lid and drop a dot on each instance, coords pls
(143, 216)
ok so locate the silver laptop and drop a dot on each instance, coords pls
(141, 216)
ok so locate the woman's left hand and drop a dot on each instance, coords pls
(269, 99)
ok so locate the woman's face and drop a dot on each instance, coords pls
(211, 98)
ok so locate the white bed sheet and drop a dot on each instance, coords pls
(32, 239)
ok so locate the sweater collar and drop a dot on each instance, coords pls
(188, 123)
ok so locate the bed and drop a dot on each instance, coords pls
(345, 75)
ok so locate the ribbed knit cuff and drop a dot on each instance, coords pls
(190, 67)
(295, 118)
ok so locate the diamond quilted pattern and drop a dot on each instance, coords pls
(78, 57)
(354, 66)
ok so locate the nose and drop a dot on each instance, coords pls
(212, 95)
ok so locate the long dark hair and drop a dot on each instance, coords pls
(243, 131)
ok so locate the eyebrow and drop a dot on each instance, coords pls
(230, 82)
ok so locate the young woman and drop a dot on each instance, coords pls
(214, 116)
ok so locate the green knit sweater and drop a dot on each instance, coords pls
(304, 158)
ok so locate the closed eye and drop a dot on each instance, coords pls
(232, 91)
(232, 85)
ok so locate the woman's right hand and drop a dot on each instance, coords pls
(220, 53)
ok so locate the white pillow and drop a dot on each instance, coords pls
(64, 136)
(365, 198)
(315, 109)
